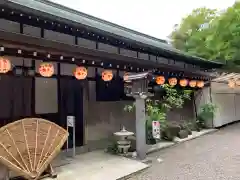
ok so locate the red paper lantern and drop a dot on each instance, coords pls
(107, 75)
(231, 83)
(5, 65)
(183, 82)
(46, 69)
(125, 76)
(160, 80)
(200, 84)
(193, 83)
(172, 81)
(237, 82)
(80, 73)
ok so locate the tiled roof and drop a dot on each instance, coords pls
(63, 12)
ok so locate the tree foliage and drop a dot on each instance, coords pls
(190, 34)
(211, 34)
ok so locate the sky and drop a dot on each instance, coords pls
(153, 17)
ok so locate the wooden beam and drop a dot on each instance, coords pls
(40, 44)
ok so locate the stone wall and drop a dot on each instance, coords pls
(179, 115)
(102, 119)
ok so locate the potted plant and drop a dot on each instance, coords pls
(155, 115)
(156, 110)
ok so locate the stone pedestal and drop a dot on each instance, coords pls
(123, 144)
(141, 146)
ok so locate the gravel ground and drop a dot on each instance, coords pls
(214, 156)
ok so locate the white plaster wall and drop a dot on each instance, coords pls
(46, 97)
(18, 61)
(9, 26)
(153, 58)
(143, 56)
(56, 36)
(162, 60)
(224, 98)
(228, 102)
(32, 31)
(67, 69)
(127, 52)
(86, 43)
(46, 92)
(226, 111)
(107, 48)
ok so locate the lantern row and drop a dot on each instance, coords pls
(46, 69)
(160, 80)
(126, 68)
(233, 83)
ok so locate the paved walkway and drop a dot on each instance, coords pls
(96, 165)
(214, 156)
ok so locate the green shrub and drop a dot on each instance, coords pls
(206, 115)
(183, 134)
(166, 135)
(187, 125)
(170, 131)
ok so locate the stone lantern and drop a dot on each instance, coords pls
(136, 85)
(123, 143)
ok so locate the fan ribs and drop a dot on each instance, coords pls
(10, 135)
(46, 154)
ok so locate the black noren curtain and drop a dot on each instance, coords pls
(71, 104)
(16, 96)
(109, 91)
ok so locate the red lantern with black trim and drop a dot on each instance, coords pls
(46, 69)
(200, 84)
(193, 83)
(107, 75)
(160, 80)
(5, 65)
(183, 82)
(172, 81)
(80, 73)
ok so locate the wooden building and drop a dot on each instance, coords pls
(34, 32)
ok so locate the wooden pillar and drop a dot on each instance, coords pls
(139, 90)
(140, 127)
